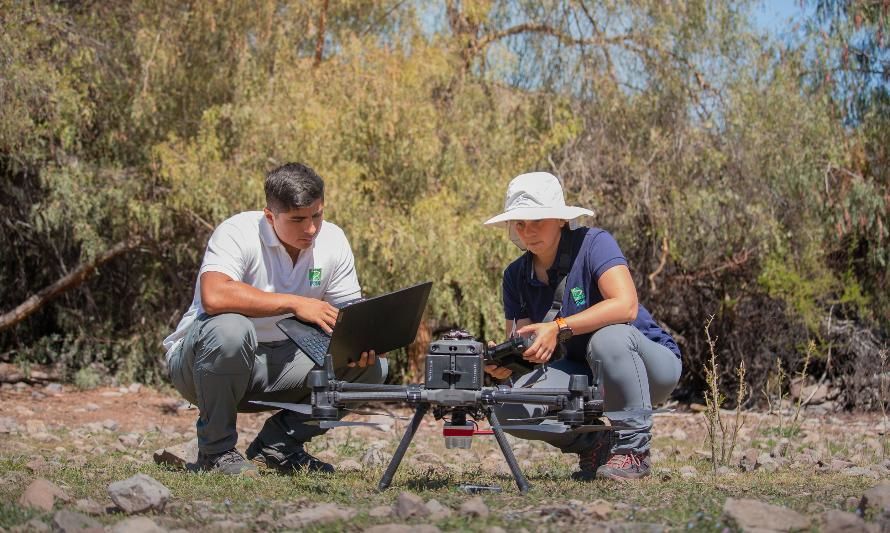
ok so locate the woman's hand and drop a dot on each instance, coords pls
(495, 371)
(545, 341)
(498, 372)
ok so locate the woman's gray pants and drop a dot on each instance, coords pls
(636, 373)
(220, 367)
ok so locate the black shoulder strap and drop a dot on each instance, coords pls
(563, 266)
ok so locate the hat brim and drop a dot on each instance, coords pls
(539, 213)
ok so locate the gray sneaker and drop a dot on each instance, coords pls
(229, 462)
(288, 460)
(625, 466)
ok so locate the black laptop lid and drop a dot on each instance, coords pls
(383, 323)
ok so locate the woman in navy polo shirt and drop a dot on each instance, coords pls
(600, 319)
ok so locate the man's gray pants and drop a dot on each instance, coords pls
(636, 372)
(220, 367)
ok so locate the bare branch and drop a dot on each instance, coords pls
(67, 282)
(319, 40)
(546, 29)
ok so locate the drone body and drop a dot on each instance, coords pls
(453, 389)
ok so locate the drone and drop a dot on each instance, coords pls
(453, 389)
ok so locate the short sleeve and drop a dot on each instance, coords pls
(603, 254)
(226, 252)
(512, 299)
(343, 286)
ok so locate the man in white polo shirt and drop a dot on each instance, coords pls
(259, 267)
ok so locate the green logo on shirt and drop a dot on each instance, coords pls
(578, 295)
(315, 277)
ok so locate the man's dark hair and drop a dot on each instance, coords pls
(291, 186)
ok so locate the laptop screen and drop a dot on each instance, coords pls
(382, 323)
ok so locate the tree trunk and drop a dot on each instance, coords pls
(319, 40)
(73, 279)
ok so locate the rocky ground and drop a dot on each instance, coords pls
(111, 459)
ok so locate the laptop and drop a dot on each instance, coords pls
(383, 323)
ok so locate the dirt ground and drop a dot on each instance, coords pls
(83, 440)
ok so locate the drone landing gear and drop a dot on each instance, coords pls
(419, 413)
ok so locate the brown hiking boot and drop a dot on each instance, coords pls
(287, 461)
(590, 460)
(625, 466)
(229, 462)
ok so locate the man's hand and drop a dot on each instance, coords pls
(367, 359)
(498, 372)
(545, 341)
(318, 312)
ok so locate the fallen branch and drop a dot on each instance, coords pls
(12, 374)
(68, 282)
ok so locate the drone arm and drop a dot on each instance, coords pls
(357, 397)
(502, 397)
(345, 386)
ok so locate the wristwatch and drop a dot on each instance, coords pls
(565, 332)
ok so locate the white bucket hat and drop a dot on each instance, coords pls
(535, 196)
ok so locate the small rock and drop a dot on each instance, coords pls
(408, 505)
(375, 457)
(110, 425)
(474, 507)
(598, 509)
(53, 389)
(139, 493)
(752, 514)
(748, 462)
(839, 464)
(688, 472)
(861, 471)
(349, 465)
(34, 426)
(781, 448)
(436, 459)
(403, 528)
(137, 524)
(725, 471)
(876, 499)
(90, 507)
(320, 514)
(438, 511)
(835, 521)
(91, 407)
(32, 526)
(36, 464)
(228, 525)
(380, 511)
(130, 440)
(41, 494)
(8, 425)
(134, 388)
(679, 434)
(178, 456)
(66, 521)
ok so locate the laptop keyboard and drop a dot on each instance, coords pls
(315, 345)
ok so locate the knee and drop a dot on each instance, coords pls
(611, 343)
(228, 343)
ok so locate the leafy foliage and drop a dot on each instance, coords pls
(733, 182)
